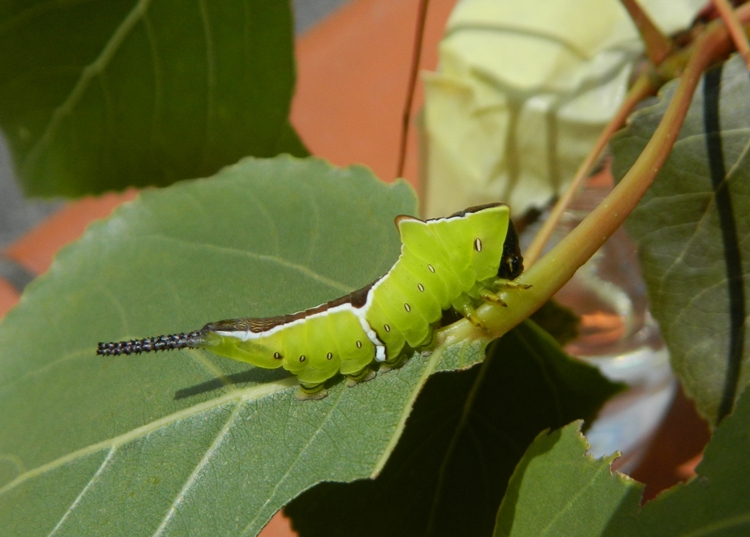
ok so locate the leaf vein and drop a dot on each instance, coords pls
(715, 527)
(198, 467)
(296, 460)
(462, 425)
(87, 75)
(245, 395)
(83, 492)
(569, 504)
(408, 405)
(305, 271)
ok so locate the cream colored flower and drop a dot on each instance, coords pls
(524, 89)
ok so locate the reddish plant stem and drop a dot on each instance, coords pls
(587, 238)
(554, 269)
(642, 88)
(726, 11)
(658, 45)
(415, 59)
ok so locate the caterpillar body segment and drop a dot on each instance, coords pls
(391, 336)
(453, 262)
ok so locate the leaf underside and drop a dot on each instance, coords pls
(188, 442)
(692, 228)
(191, 443)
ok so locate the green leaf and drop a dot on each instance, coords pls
(102, 95)
(717, 501)
(690, 228)
(465, 436)
(557, 490)
(188, 442)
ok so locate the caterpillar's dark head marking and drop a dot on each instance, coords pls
(476, 209)
(511, 264)
(152, 344)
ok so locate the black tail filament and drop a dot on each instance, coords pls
(152, 344)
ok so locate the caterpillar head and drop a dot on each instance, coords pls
(511, 264)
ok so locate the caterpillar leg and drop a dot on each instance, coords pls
(510, 284)
(310, 392)
(395, 363)
(464, 306)
(363, 375)
(488, 296)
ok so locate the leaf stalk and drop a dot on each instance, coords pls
(658, 45)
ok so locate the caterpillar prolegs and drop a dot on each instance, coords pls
(454, 262)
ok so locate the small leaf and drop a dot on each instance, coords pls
(465, 436)
(559, 490)
(691, 229)
(101, 95)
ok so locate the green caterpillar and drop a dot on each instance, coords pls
(458, 261)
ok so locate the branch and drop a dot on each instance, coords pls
(658, 45)
(735, 29)
(553, 270)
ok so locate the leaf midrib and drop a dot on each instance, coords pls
(276, 259)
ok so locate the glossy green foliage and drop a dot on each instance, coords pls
(692, 228)
(465, 436)
(557, 490)
(103, 95)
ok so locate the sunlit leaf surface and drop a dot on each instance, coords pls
(188, 442)
(557, 490)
